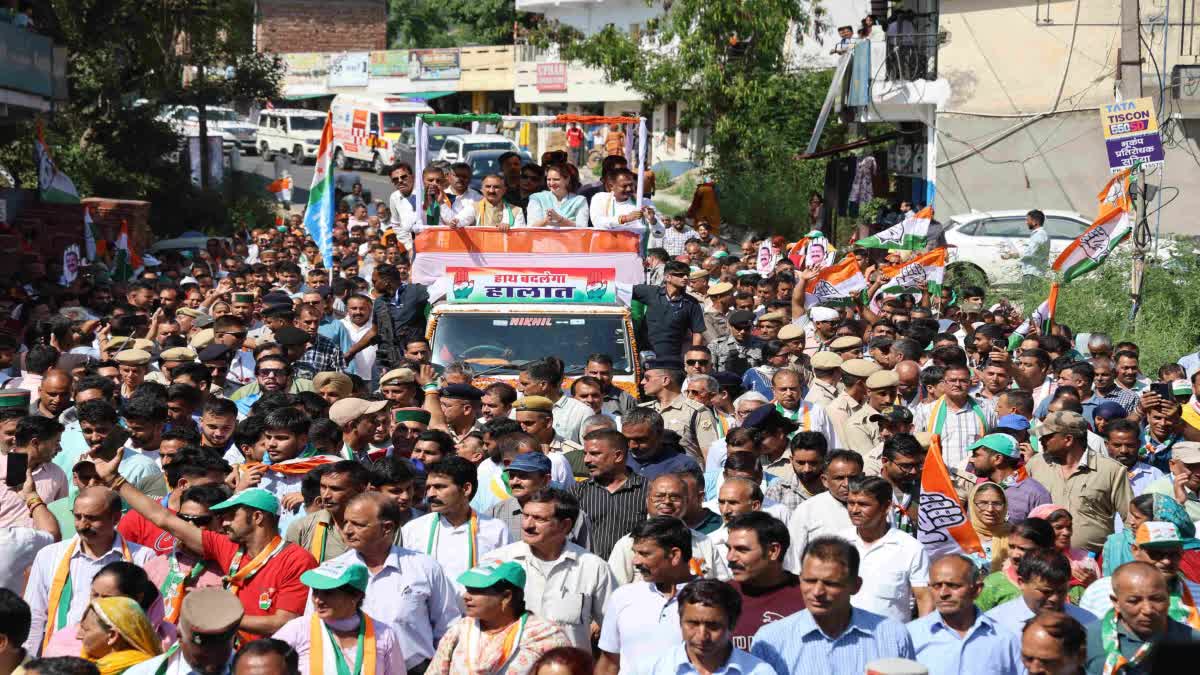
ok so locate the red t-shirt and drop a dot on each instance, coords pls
(136, 528)
(765, 606)
(277, 584)
(574, 137)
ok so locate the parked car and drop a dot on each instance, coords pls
(290, 132)
(457, 147)
(979, 239)
(237, 131)
(484, 162)
(405, 149)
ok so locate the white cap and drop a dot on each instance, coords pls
(823, 314)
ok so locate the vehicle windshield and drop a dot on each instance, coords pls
(507, 341)
(222, 115)
(488, 145)
(436, 140)
(398, 121)
(482, 166)
(308, 123)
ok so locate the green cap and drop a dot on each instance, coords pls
(486, 576)
(255, 498)
(1181, 388)
(243, 297)
(412, 415)
(999, 443)
(333, 574)
(14, 398)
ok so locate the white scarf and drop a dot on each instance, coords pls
(364, 361)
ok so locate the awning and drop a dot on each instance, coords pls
(425, 95)
(303, 97)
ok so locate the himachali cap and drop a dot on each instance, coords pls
(790, 332)
(280, 310)
(398, 376)
(202, 338)
(334, 574)
(882, 379)
(1158, 534)
(825, 361)
(349, 409)
(15, 398)
(211, 611)
(845, 342)
(133, 357)
(893, 413)
(180, 354)
(535, 404)
(412, 415)
(860, 367)
(720, 288)
(486, 576)
(531, 462)
(1181, 388)
(254, 498)
(999, 443)
(276, 298)
(245, 298)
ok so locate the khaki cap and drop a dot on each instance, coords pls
(398, 376)
(790, 332)
(211, 611)
(698, 274)
(1187, 452)
(720, 288)
(845, 342)
(188, 311)
(350, 409)
(535, 404)
(133, 357)
(860, 367)
(203, 338)
(144, 344)
(116, 342)
(178, 354)
(825, 360)
(883, 379)
(772, 316)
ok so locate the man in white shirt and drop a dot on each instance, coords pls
(459, 190)
(824, 513)
(642, 618)
(402, 214)
(893, 565)
(95, 544)
(454, 534)
(563, 582)
(1034, 255)
(406, 590)
(619, 207)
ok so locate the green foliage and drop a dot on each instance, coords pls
(726, 60)
(1167, 323)
(452, 23)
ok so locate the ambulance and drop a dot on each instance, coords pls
(366, 126)
(503, 299)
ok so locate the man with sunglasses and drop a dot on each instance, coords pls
(191, 468)
(400, 204)
(272, 373)
(673, 318)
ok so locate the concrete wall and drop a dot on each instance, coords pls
(322, 25)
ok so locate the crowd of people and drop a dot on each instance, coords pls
(242, 462)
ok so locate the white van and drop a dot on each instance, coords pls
(292, 132)
(366, 126)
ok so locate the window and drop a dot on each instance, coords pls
(1003, 227)
(375, 124)
(1063, 228)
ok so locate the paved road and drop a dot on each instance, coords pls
(379, 186)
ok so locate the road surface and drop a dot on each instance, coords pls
(379, 186)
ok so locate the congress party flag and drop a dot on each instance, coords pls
(53, 185)
(924, 271)
(942, 524)
(1112, 225)
(1042, 317)
(127, 261)
(318, 217)
(836, 285)
(909, 234)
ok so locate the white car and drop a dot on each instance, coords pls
(291, 132)
(456, 148)
(236, 131)
(979, 239)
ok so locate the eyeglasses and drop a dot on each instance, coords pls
(697, 362)
(401, 177)
(989, 506)
(661, 498)
(198, 521)
(240, 335)
(271, 372)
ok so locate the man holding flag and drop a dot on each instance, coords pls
(957, 417)
(318, 216)
(1036, 251)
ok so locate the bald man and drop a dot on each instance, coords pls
(1156, 543)
(909, 386)
(1053, 643)
(54, 397)
(96, 543)
(1140, 619)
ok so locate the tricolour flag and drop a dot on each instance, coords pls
(835, 285)
(942, 523)
(53, 185)
(127, 261)
(1042, 317)
(93, 245)
(909, 234)
(925, 271)
(811, 252)
(1113, 224)
(318, 216)
(280, 185)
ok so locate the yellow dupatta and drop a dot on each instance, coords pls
(126, 617)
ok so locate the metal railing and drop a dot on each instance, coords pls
(913, 56)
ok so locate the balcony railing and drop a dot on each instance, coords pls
(913, 56)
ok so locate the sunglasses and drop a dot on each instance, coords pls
(198, 521)
(698, 362)
(271, 372)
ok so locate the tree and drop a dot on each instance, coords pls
(727, 61)
(453, 23)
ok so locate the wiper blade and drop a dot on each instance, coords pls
(511, 365)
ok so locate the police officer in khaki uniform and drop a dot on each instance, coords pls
(698, 286)
(854, 394)
(824, 387)
(133, 364)
(694, 422)
(862, 433)
(170, 359)
(720, 300)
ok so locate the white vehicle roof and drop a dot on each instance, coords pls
(382, 101)
(293, 112)
(1011, 213)
(483, 138)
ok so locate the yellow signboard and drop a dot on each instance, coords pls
(1128, 118)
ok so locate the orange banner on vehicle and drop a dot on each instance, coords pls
(533, 240)
(594, 119)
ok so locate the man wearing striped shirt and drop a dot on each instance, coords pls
(613, 496)
(958, 418)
